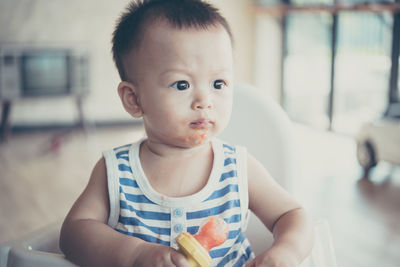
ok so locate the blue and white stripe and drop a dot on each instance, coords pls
(141, 212)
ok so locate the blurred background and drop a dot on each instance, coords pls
(332, 66)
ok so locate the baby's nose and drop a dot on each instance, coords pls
(202, 100)
(203, 105)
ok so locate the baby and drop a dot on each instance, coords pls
(175, 61)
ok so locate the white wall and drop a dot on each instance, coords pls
(257, 45)
(239, 15)
(88, 22)
(91, 22)
(268, 50)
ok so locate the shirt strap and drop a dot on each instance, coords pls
(241, 158)
(113, 186)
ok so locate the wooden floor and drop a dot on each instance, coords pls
(42, 173)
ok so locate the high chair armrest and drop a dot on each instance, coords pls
(322, 253)
(22, 256)
(39, 248)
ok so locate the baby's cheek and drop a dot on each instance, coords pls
(166, 121)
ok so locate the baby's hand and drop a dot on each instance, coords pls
(275, 257)
(150, 254)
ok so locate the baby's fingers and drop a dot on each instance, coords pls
(261, 262)
(179, 260)
(256, 264)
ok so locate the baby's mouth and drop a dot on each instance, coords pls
(202, 123)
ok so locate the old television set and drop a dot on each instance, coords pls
(37, 71)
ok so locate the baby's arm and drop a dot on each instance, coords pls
(87, 240)
(292, 228)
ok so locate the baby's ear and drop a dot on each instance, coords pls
(129, 97)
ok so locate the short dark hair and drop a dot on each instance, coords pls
(179, 13)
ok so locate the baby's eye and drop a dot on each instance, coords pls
(181, 85)
(219, 84)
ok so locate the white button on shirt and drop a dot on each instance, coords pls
(178, 228)
(178, 224)
(177, 212)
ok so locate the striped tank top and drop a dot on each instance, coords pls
(136, 209)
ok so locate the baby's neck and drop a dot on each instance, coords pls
(166, 151)
(176, 171)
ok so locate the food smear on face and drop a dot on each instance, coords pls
(199, 131)
(196, 138)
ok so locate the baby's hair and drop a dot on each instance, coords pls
(178, 13)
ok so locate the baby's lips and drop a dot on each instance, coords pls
(202, 123)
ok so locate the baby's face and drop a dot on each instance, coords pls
(184, 83)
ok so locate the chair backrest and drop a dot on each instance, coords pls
(261, 125)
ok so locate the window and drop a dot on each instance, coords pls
(362, 69)
(307, 68)
(337, 60)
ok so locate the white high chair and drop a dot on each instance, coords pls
(258, 123)
(263, 127)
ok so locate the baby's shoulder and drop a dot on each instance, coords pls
(122, 150)
(228, 147)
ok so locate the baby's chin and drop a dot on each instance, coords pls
(196, 138)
